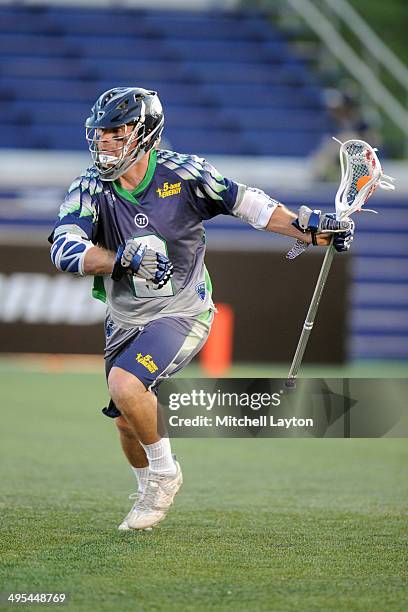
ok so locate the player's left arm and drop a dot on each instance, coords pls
(312, 227)
(309, 226)
(281, 222)
(215, 194)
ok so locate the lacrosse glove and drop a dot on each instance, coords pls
(342, 239)
(137, 259)
(315, 222)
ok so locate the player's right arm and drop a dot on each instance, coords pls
(71, 253)
(73, 239)
(98, 261)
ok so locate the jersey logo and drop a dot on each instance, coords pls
(147, 362)
(168, 189)
(110, 198)
(200, 290)
(141, 220)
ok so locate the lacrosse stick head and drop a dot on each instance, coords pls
(361, 174)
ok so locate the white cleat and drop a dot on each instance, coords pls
(124, 525)
(153, 504)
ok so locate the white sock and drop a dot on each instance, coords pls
(160, 457)
(141, 476)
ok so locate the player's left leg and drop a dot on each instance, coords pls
(138, 406)
(130, 444)
(133, 451)
(136, 457)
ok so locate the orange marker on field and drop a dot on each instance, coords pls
(216, 356)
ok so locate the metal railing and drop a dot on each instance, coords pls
(371, 47)
(370, 40)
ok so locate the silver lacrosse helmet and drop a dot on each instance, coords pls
(124, 125)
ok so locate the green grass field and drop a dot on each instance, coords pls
(295, 524)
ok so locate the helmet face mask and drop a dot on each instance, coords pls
(125, 124)
(114, 150)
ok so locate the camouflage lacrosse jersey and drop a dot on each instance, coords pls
(165, 212)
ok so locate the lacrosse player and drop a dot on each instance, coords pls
(134, 221)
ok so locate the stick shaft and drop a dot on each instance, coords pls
(311, 313)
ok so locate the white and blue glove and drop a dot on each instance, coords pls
(315, 222)
(137, 259)
(342, 239)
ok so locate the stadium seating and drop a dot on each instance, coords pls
(209, 68)
(230, 84)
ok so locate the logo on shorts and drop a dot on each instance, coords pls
(109, 328)
(200, 290)
(141, 220)
(168, 189)
(147, 362)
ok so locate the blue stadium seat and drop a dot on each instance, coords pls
(81, 23)
(282, 143)
(60, 137)
(261, 73)
(14, 45)
(289, 119)
(44, 67)
(263, 96)
(231, 50)
(206, 141)
(197, 117)
(50, 112)
(18, 137)
(136, 71)
(208, 67)
(49, 89)
(115, 46)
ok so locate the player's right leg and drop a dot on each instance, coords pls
(157, 351)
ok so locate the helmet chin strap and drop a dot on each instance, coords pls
(107, 159)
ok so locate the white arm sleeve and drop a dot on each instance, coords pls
(68, 253)
(254, 206)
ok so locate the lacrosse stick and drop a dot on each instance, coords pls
(361, 174)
